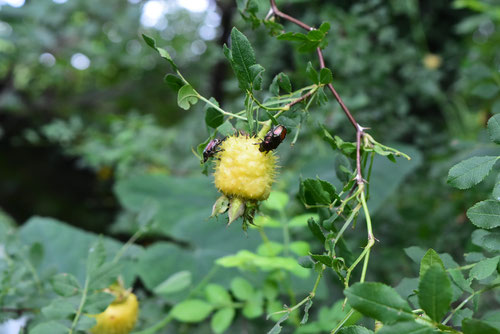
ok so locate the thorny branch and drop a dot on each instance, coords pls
(359, 129)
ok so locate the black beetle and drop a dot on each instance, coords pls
(211, 149)
(273, 138)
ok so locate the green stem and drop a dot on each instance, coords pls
(347, 200)
(216, 107)
(82, 303)
(261, 105)
(466, 300)
(342, 322)
(207, 101)
(129, 243)
(367, 217)
(346, 224)
(369, 175)
(309, 297)
(366, 251)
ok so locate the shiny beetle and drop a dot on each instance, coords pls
(211, 149)
(273, 138)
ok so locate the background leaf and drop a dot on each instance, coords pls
(485, 214)
(470, 172)
(191, 310)
(378, 301)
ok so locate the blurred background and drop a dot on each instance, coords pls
(87, 123)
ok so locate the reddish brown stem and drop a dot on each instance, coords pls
(300, 99)
(19, 311)
(357, 127)
(359, 177)
(288, 17)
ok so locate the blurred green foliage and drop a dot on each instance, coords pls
(422, 75)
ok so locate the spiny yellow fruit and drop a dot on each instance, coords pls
(241, 170)
(119, 318)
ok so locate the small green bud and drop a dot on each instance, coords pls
(236, 209)
(220, 206)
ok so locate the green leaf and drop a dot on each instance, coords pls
(460, 281)
(277, 327)
(270, 248)
(242, 289)
(104, 276)
(174, 283)
(293, 37)
(430, 258)
(343, 168)
(51, 327)
(496, 192)
(378, 301)
(435, 294)
(277, 201)
(324, 27)
(173, 82)
(325, 76)
(256, 74)
(460, 315)
(217, 295)
(253, 307)
(226, 129)
(356, 330)
(305, 262)
(484, 268)
(491, 241)
(57, 237)
(36, 254)
(96, 257)
(407, 327)
(186, 97)
(312, 73)
(246, 260)
(315, 191)
(97, 302)
(301, 220)
(301, 248)
(243, 58)
(471, 171)
(474, 326)
(274, 87)
(494, 128)
(65, 285)
(222, 319)
(486, 90)
(213, 117)
(163, 53)
(316, 230)
(315, 35)
(191, 310)
(85, 323)
(324, 259)
(492, 318)
(305, 317)
(59, 308)
(284, 82)
(485, 214)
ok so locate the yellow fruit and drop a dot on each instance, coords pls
(119, 318)
(432, 61)
(241, 170)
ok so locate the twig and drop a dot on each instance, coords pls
(18, 311)
(359, 129)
